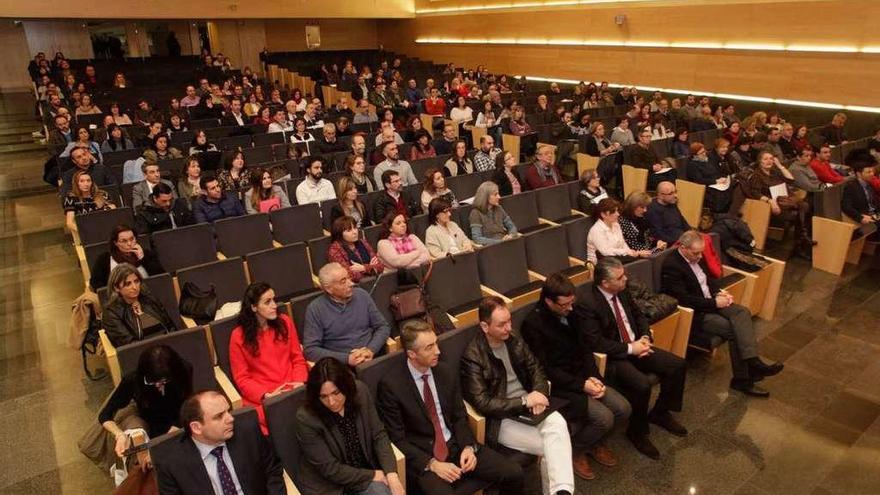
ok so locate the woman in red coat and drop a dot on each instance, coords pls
(264, 350)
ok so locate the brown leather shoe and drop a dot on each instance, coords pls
(603, 455)
(582, 467)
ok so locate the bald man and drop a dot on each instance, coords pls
(663, 215)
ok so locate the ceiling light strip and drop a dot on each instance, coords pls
(523, 5)
(727, 96)
(696, 45)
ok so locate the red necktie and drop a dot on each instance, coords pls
(440, 448)
(621, 326)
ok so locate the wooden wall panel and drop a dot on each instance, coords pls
(15, 59)
(336, 34)
(68, 37)
(823, 77)
(242, 41)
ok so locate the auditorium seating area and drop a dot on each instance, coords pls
(287, 246)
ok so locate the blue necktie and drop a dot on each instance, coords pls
(226, 482)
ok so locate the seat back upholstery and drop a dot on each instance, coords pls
(381, 291)
(546, 251)
(576, 236)
(226, 276)
(452, 344)
(372, 371)
(827, 202)
(453, 281)
(298, 307)
(643, 272)
(185, 246)
(239, 236)
(221, 332)
(190, 344)
(522, 208)
(280, 419)
(296, 224)
(465, 186)
(96, 226)
(657, 266)
(503, 266)
(519, 316)
(286, 269)
(162, 288)
(318, 252)
(554, 202)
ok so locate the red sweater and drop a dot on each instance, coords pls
(278, 362)
(825, 172)
(435, 107)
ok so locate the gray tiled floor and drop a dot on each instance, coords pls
(819, 433)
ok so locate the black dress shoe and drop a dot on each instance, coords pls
(760, 368)
(644, 445)
(563, 492)
(749, 388)
(668, 423)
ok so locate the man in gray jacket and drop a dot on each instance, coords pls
(141, 191)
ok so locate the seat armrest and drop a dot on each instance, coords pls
(545, 221)
(477, 422)
(488, 291)
(601, 362)
(189, 322)
(535, 276)
(289, 487)
(227, 387)
(401, 464)
(392, 345)
(112, 357)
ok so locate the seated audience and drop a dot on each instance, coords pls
(708, 169)
(162, 211)
(502, 380)
(398, 248)
(301, 132)
(119, 117)
(83, 139)
(85, 197)
(771, 173)
(350, 251)
(141, 191)
(86, 107)
(518, 124)
(643, 156)
(636, 230)
(613, 325)
(148, 397)
(234, 116)
(116, 140)
(343, 323)
(823, 168)
(218, 453)
(665, 219)
(860, 202)
(444, 237)
(264, 196)
(356, 170)
(160, 150)
(393, 162)
(591, 192)
(422, 147)
(235, 174)
(805, 177)
(315, 188)
(363, 114)
(544, 173)
(681, 148)
(444, 145)
(329, 142)
(215, 204)
(432, 430)
(490, 224)
(434, 104)
(484, 159)
(123, 248)
(132, 314)
(685, 277)
(622, 134)
(348, 204)
(434, 187)
(553, 332)
(606, 237)
(264, 351)
(339, 407)
(505, 176)
(458, 163)
(395, 198)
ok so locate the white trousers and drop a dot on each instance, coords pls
(551, 441)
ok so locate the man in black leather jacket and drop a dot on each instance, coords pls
(163, 211)
(503, 380)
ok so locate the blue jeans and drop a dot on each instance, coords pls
(376, 488)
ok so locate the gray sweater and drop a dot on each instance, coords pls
(333, 330)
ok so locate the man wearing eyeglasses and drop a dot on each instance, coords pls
(666, 221)
(684, 277)
(613, 325)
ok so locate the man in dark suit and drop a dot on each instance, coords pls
(859, 201)
(234, 117)
(553, 332)
(423, 410)
(685, 277)
(217, 453)
(614, 326)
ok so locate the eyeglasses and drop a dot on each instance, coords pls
(158, 383)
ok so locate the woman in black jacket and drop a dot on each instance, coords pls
(508, 180)
(343, 442)
(133, 314)
(123, 248)
(148, 397)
